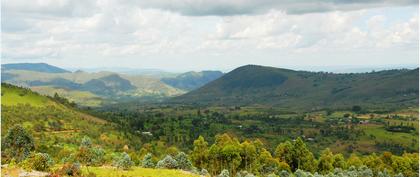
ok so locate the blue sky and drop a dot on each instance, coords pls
(183, 35)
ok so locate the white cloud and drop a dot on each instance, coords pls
(112, 31)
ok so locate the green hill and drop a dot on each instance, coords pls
(40, 67)
(259, 85)
(57, 128)
(192, 80)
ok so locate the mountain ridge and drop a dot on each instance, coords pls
(40, 67)
(261, 85)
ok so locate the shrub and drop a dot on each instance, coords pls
(224, 173)
(284, 173)
(167, 162)
(204, 172)
(41, 162)
(69, 169)
(183, 161)
(123, 162)
(38, 161)
(97, 158)
(147, 161)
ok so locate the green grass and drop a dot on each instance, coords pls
(137, 172)
(83, 98)
(14, 96)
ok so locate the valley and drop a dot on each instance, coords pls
(258, 120)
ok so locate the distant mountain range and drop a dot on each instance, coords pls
(97, 88)
(39, 67)
(260, 85)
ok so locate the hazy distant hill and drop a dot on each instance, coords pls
(91, 89)
(192, 80)
(40, 67)
(259, 85)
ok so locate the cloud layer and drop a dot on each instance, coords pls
(209, 34)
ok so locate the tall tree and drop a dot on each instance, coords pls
(18, 143)
(200, 153)
(326, 161)
(302, 157)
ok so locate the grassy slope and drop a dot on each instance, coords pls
(138, 172)
(52, 123)
(84, 98)
(13, 96)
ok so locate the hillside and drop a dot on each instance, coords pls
(259, 85)
(62, 123)
(192, 80)
(40, 67)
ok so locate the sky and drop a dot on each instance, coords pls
(182, 35)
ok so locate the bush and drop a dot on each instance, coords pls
(69, 169)
(42, 162)
(167, 162)
(123, 162)
(38, 161)
(97, 158)
(204, 172)
(147, 161)
(284, 173)
(183, 161)
(224, 173)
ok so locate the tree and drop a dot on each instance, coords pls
(284, 152)
(200, 153)
(302, 157)
(267, 164)
(326, 161)
(248, 154)
(354, 160)
(18, 143)
(147, 161)
(183, 161)
(339, 161)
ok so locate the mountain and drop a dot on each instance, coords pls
(39, 67)
(108, 85)
(260, 85)
(192, 80)
(93, 89)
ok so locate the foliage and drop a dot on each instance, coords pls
(168, 162)
(123, 161)
(183, 161)
(224, 173)
(69, 169)
(89, 155)
(200, 152)
(18, 143)
(42, 162)
(147, 161)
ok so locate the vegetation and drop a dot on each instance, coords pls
(192, 80)
(52, 134)
(300, 90)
